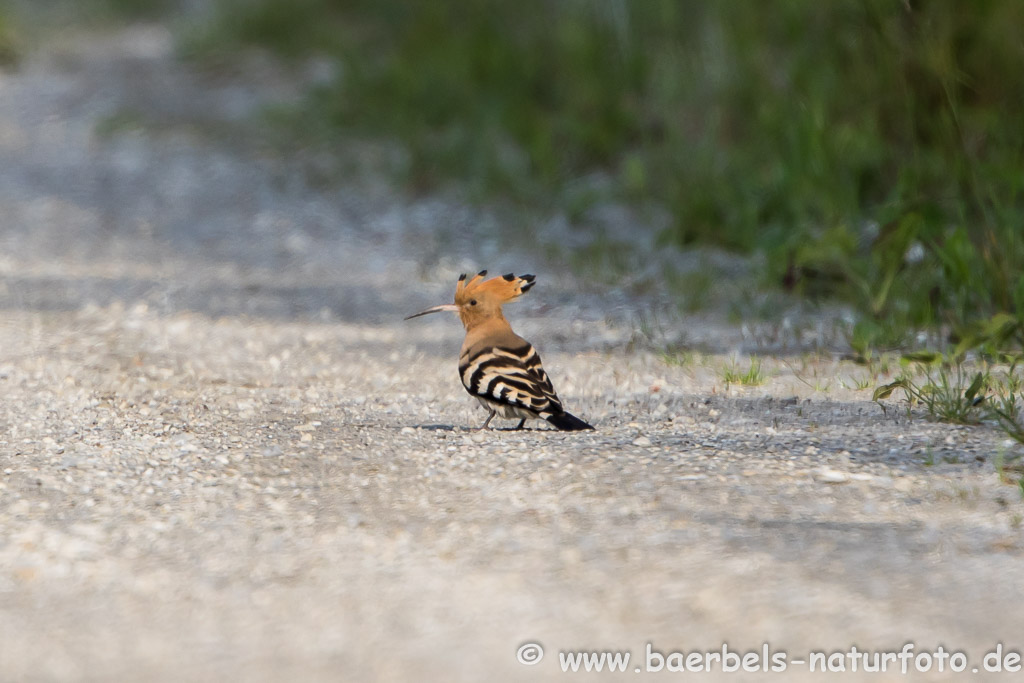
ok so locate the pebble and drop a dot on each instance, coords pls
(832, 477)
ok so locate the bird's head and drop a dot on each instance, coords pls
(478, 300)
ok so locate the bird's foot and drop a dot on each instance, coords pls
(484, 427)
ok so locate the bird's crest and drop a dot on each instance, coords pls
(500, 289)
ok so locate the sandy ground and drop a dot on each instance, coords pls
(223, 455)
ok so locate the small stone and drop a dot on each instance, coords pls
(832, 477)
(641, 441)
(903, 484)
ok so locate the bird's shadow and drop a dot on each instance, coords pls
(451, 428)
(435, 428)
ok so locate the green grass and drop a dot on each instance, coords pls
(135, 9)
(119, 122)
(8, 39)
(695, 289)
(1006, 405)
(753, 376)
(682, 358)
(953, 390)
(810, 374)
(948, 393)
(869, 149)
(857, 383)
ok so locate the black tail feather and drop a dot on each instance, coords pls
(568, 422)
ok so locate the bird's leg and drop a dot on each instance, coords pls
(520, 425)
(486, 422)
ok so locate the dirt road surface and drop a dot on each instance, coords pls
(224, 456)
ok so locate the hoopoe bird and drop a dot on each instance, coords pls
(498, 367)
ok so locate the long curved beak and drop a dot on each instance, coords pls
(435, 309)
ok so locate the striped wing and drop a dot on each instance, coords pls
(511, 376)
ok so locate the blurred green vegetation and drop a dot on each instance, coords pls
(133, 9)
(8, 42)
(871, 149)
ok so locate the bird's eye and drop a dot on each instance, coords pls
(472, 302)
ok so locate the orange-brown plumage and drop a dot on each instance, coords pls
(480, 300)
(497, 366)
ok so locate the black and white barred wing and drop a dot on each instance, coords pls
(511, 376)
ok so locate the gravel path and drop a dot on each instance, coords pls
(223, 456)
